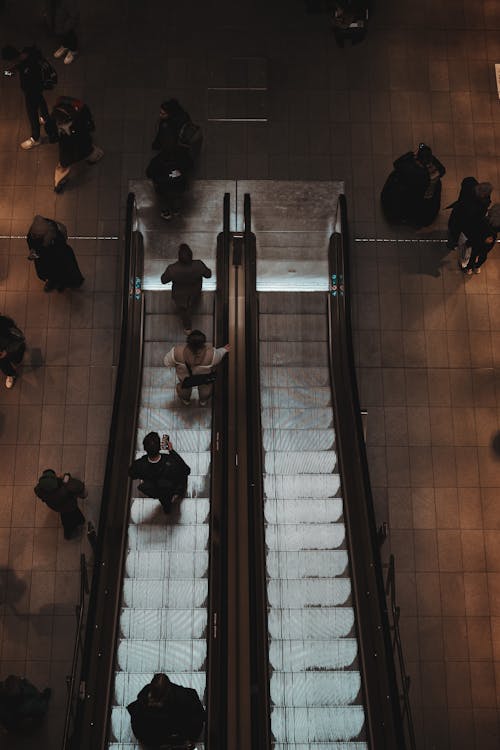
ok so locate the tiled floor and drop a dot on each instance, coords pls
(426, 340)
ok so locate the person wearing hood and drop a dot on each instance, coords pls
(412, 192)
(54, 259)
(60, 493)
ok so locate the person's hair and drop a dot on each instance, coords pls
(185, 254)
(158, 690)
(170, 106)
(10, 53)
(196, 340)
(483, 189)
(151, 444)
(424, 153)
(12, 685)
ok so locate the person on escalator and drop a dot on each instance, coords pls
(166, 714)
(164, 475)
(187, 277)
(195, 360)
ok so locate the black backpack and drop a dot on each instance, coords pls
(49, 75)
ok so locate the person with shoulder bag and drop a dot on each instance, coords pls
(60, 493)
(54, 259)
(195, 363)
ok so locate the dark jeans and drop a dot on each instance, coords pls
(69, 40)
(164, 495)
(71, 521)
(7, 368)
(36, 106)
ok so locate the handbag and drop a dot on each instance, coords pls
(193, 380)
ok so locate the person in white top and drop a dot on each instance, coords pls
(195, 357)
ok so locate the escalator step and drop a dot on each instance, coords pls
(320, 724)
(323, 485)
(161, 656)
(153, 623)
(303, 462)
(307, 656)
(328, 563)
(189, 510)
(146, 564)
(297, 327)
(297, 419)
(292, 353)
(293, 397)
(309, 593)
(303, 510)
(321, 623)
(306, 303)
(291, 537)
(155, 537)
(316, 689)
(298, 440)
(298, 376)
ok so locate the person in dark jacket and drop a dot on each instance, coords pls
(172, 118)
(169, 172)
(165, 713)
(22, 706)
(163, 475)
(62, 17)
(27, 63)
(54, 259)
(412, 192)
(60, 493)
(483, 241)
(349, 20)
(12, 349)
(469, 212)
(75, 126)
(186, 276)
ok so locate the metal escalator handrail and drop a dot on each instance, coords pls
(72, 678)
(390, 590)
(261, 700)
(217, 634)
(102, 621)
(383, 718)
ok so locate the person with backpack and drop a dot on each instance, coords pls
(469, 212)
(54, 259)
(35, 76)
(195, 363)
(60, 492)
(12, 349)
(482, 243)
(187, 277)
(163, 475)
(75, 126)
(166, 715)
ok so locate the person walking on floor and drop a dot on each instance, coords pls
(60, 493)
(186, 276)
(75, 126)
(195, 358)
(12, 349)
(62, 17)
(28, 64)
(469, 211)
(484, 242)
(54, 259)
(22, 706)
(163, 475)
(166, 714)
(412, 192)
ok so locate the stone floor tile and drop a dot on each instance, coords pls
(458, 685)
(473, 552)
(476, 595)
(452, 594)
(447, 508)
(441, 423)
(455, 638)
(419, 427)
(487, 730)
(449, 550)
(433, 681)
(459, 349)
(430, 638)
(400, 508)
(461, 725)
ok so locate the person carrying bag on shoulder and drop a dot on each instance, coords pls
(195, 364)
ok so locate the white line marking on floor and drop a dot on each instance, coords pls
(70, 237)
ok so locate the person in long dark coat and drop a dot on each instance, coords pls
(165, 712)
(172, 118)
(60, 494)
(469, 212)
(412, 192)
(169, 172)
(75, 126)
(54, 259)
(186, 276)
(12, 349)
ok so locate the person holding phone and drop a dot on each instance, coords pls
(164, 475)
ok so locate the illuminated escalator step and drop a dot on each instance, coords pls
(188, 510)
(294, 377)
(308, 564)
(164, 564)
(307, 656)
(154, 536)
(135, 655)
(317, 724)
(179, 594)
(314, 485)
(322, 624)
(163, 623)
(298, 440)
(297, 419)
(292, 594)
(314, 536)
(303, 510)
(315, 689)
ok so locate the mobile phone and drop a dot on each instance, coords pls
(66, 478)
(7, 72)
(165, 440)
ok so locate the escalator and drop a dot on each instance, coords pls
(315, 682)
(163, 618)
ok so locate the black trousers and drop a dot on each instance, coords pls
(70, 40)
(7, 368)
(71, 520)
(36, 106)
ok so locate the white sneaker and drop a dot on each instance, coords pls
(70, 56)
(30, 143)
(477, 270)
(41, 120)
(60, 52)
(9, 381)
